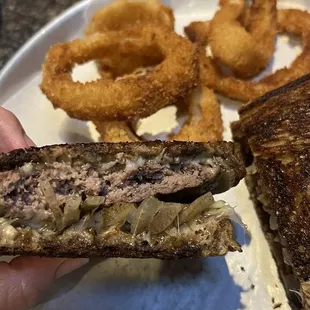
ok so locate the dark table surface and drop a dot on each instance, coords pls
(20, 19)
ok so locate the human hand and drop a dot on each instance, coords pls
(24, 279)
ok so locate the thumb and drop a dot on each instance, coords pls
(24, 279)
(12, 134)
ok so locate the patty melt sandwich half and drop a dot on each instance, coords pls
(141, 200)
(274, 132)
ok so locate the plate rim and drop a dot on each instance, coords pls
(49, 27)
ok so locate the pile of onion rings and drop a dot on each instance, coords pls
(291, 21)
(145, 66)
(204, 116)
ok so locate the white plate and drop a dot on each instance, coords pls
(213, 283)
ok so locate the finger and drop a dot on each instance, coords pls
(12, 134)
(28, 141)
(24, 278)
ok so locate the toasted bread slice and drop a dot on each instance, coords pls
(274, 132)
(144, 199)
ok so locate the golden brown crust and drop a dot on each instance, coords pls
(245, 52)
(124, 99)
(205, 119)
(123, 14)
(198, 32)
(290, 21)
(115, 132)
(204, 123)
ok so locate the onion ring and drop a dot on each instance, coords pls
(109, 100)
(289, 21)
(116, 132)
(118, 65)
(204, 123)
(205, 120)
(120, 131)
(246, 53)
(123, 15)
(198, 32)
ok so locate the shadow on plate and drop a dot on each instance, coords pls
(211, 291)
(75, 131)
(148, 284)
(242, 234)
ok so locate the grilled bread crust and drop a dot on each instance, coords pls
(85, 243)
(274, 132)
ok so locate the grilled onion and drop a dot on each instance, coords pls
(144, 215)
(195, 208)
(221, 209)
(72, 211)
(53, 203)
(92, 202)
(116, 214)
(2, 206)
(164, 218)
